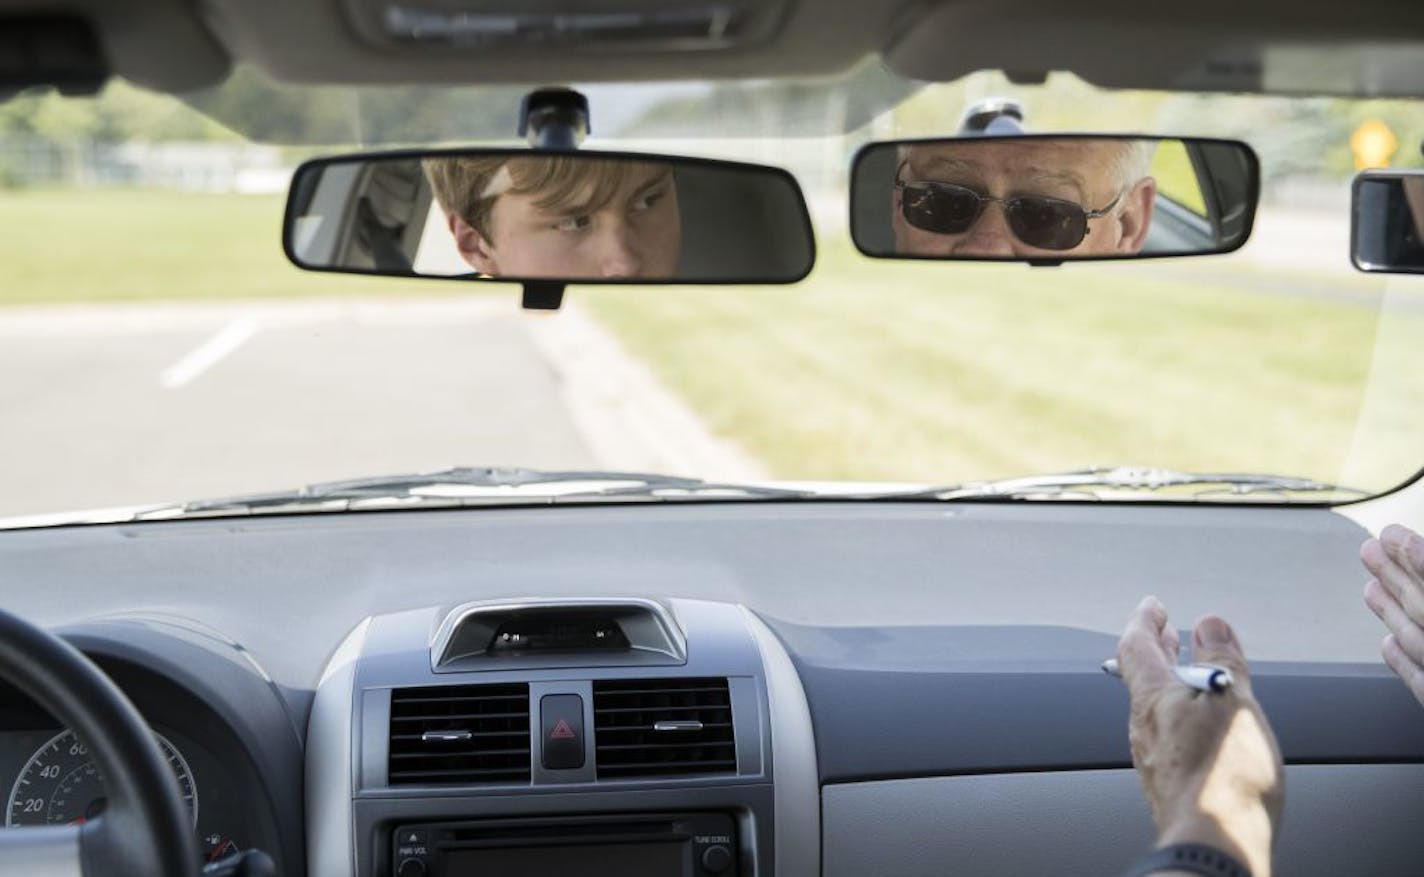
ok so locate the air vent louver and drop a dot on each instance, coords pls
(464, 734)
(663, 727)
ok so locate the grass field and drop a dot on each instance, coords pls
(122, 244)
(873, 369)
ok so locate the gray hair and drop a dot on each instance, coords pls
(1134, 161)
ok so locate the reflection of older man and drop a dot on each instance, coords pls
(1029, 196)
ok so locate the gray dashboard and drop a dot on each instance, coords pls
(931, 640)
(290, 588)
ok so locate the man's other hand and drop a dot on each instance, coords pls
(1208, 762)
(1396, 595)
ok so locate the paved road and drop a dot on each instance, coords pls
(128, 404)
(118, 406)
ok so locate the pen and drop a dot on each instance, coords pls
(1202, 677)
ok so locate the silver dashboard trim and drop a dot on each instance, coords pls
(52, 851)
(446, 737)
(331, 762)
(692, 725)
(797, 778)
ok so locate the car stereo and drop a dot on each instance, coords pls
(646, 845)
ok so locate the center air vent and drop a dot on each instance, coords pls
(460, 734)
(663, 727)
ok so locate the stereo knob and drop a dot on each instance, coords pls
(411, 868)
(716, 859)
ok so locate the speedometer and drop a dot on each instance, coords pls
(61, 784)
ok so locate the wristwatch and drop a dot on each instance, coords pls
(1192, 858)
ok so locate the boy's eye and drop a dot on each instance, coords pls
(646, 201)
(572, 223)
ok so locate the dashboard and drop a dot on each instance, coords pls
(711, 689)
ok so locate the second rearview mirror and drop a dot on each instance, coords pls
(1387, 222)
(1051, 197)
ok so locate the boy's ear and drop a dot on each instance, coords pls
(473, 246)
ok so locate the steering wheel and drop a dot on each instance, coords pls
(145, 828)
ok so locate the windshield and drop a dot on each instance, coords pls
(158, 348)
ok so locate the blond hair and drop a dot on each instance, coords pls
(467, 186)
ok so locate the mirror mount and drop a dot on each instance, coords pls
(993, 116)
(542, 295)
(554, 119)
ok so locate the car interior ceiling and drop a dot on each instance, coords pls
(175, 46)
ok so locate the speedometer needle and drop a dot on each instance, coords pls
(80, 821)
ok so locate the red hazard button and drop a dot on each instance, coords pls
(561, 716)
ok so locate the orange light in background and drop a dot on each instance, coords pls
(1373, 144)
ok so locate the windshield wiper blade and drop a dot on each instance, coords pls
(486, 485)
(1086, 483)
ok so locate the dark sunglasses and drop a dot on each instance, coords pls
(1045, 223)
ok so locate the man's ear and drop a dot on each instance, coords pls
(1135, 218)
(472, 245)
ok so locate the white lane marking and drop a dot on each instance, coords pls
(208, 354)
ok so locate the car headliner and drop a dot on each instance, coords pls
(1285, 46)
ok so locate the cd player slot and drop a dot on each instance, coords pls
(659, 845)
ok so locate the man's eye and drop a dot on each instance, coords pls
(572, 223)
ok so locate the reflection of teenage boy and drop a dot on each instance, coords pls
(564, 217)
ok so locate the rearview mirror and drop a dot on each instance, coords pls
(1049, 198)
(1387, 222)
(551, 217)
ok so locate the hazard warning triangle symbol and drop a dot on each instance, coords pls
(562, 731)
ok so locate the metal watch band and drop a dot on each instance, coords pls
(1192, 858)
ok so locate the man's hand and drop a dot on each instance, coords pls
(1208, 762)
(1396, 595)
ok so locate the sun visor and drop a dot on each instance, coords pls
(75, 45)
(1370, 49)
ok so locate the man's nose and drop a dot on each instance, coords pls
(618, 254)
(990, 235)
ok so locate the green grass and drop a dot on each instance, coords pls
(126, 244)
(874, 370)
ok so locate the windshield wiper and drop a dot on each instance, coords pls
(1089, 483)
(480, 486)
(464, 487)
